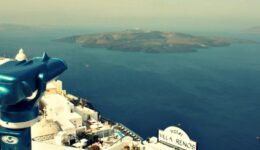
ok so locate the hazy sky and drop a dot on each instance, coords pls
(211, 14)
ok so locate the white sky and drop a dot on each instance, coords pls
(190, 13)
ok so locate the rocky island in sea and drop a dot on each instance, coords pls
(149, 41)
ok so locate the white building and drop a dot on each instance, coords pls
(54, 87)
(59, 110)
(56, 106)
(86, 113)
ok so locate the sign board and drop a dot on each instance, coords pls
(176, 137)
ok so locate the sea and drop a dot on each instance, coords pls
(212, 94)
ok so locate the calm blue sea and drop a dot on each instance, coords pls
(214, 93)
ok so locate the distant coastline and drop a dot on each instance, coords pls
(253, 30)
(150, 41)
(8, 27)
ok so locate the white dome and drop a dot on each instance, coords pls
(21, 55)
(153, 140)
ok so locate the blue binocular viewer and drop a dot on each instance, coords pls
(18, 81)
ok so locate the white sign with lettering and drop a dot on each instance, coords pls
(176, 137)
